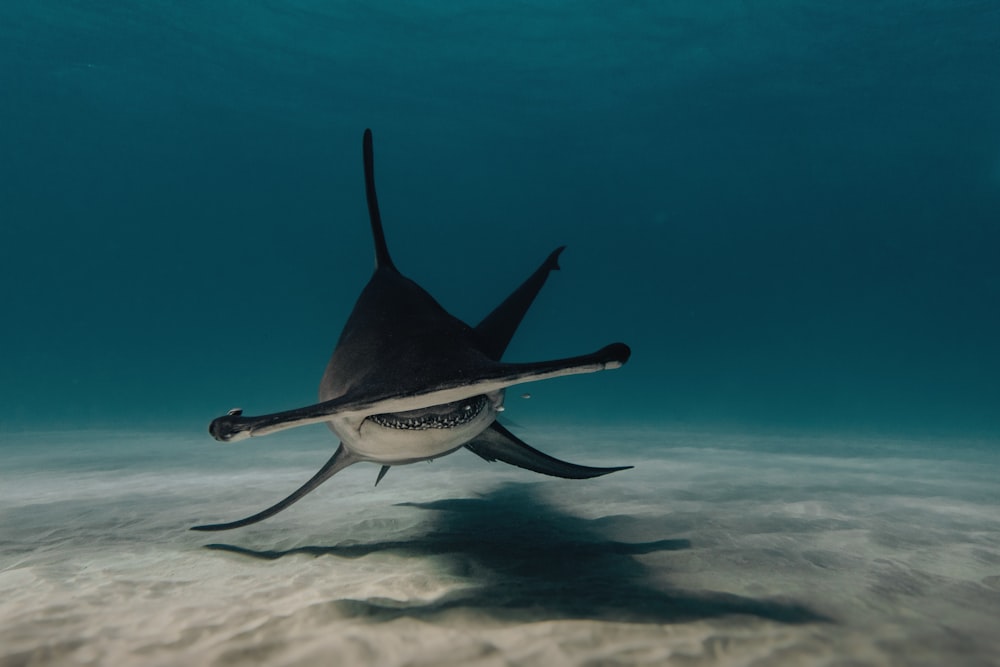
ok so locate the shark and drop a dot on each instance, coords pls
(410, 382)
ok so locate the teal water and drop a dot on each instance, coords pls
(789, 210)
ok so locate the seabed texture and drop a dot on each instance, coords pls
(716, 550)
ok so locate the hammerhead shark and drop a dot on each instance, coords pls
(409, 382)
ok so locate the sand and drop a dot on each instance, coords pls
(718, 549)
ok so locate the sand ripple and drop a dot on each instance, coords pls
(701, 556)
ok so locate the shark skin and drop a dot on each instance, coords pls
(409, 382)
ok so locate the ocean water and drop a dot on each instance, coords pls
(789, 210)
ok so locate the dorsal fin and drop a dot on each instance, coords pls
(382, 258)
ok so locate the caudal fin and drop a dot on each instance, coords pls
(497, 328)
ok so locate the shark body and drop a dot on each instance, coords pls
(409, 382)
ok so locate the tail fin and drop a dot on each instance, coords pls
(382, 258)
(499, 326)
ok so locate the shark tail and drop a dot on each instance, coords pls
(497, 328)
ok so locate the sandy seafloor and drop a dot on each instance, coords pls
(717, 549)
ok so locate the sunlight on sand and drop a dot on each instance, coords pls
(714, 550)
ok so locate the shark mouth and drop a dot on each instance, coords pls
(446, 415)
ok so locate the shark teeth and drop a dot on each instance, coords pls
(446, 415)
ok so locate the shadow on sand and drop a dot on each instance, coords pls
(528, 561)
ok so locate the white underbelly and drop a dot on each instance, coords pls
(371, 441)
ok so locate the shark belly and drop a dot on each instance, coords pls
(417, 435)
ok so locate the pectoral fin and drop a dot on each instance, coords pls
(498, 444)
(340, 460)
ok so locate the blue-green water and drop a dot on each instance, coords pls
(791, 211)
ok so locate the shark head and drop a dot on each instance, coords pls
(423, 433)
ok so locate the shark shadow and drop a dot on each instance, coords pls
(527, 561)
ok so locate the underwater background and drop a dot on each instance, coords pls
(790, 210)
